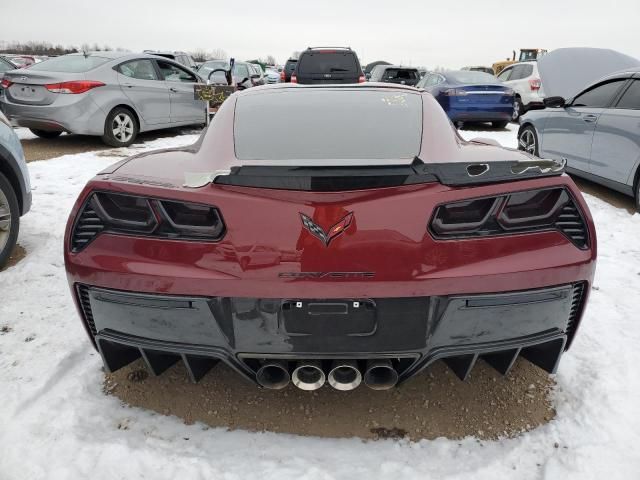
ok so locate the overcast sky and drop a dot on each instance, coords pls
(417, 32)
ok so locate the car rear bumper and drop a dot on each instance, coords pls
(75, 115)
(413, 331)
(502, 113)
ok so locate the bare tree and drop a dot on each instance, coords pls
(201, 55)
(219, 54)
(271, 60)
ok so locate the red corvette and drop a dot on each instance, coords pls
(338, 233)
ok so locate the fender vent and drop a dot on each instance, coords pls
(85, 304)
(571, 223)
(86, 228)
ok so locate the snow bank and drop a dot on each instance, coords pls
(56, 423)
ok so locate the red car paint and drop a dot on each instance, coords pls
(384, 251)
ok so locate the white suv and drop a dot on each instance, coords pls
(524, 79)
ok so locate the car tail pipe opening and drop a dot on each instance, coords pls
(380, 375)
(308, 375)
(273, 374)
(344, 375)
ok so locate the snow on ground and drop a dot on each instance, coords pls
(56, 423)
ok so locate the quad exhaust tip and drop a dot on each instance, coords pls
(344, 375)
(380, 375)
(308, 376)
(273, 375)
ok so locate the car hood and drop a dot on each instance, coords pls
(565, 72)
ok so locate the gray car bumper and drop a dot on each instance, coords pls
(70, 113)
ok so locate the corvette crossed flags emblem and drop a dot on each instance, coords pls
(335, 230)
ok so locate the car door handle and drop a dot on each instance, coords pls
(128, 85)
(174, 90)
(589, 118)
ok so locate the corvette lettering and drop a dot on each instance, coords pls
(312, 275)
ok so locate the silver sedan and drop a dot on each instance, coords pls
(113, 95)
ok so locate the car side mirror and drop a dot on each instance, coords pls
(554, 102)
(245, 79)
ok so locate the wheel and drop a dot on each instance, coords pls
(528, 140)
(120, 128)
(638, 195)
(499, 124)
(9, 219)
(518, 110)
(45, 133)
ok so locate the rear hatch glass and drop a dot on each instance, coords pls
(327, 62)
(328, 124)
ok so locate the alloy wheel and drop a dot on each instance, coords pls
(527, 141)
(5, 220)
(122, 127)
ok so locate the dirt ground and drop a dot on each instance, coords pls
(44, 149)
(433, 404)
(18, 254)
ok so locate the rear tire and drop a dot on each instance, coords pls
(518, 110)
(120, 128)
(638, 195)
(528, 140)
(45, 133)
(9, 220)
(499, 124)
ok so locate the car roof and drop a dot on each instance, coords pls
(396, 66)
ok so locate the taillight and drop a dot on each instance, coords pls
(535, 84)
(283, 76)
(455, 92)
(520, 212)
(134, 215)
(6, 83)
(362, 79)
(294, 79)
(76, 86)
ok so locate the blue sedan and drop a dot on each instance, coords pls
(468, 96)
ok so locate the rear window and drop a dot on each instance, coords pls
(70, 63)
(327, 62)
(328, 124)
(472, 77)
(400, 74)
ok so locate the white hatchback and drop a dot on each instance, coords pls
(524, 79)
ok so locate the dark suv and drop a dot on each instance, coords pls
(395, 74)
(328, 65)
(287, 71)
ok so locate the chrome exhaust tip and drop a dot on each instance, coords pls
(308, 376)
(380, 375)
(273, 374)
(344, 375)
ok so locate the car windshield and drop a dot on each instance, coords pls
(207, 67)
(466, 76)
(70, 63)
(327, 62)
(345, 124)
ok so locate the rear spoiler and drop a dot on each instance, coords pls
(340, 178)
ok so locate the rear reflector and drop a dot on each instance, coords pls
(77, 86)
